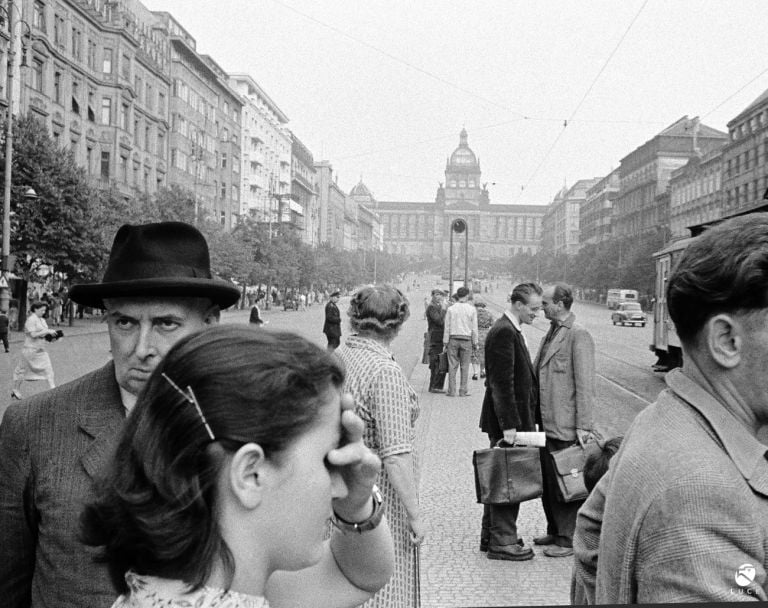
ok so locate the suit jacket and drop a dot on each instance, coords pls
(512, 393)
(686, 505)
(435, 324)
(51, 447)
(332, 325)
(566, 375)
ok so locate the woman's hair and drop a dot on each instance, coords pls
(155, 510)
(379, 310)
(37, 305)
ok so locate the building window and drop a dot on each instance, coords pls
(161, 103)
(124, 169)
(106, 111)
(91, 59)
(125, 68)
(147, 136)
(59, 34)
(37, 75)
(105, 165)
(225, 134)
(223, 160)
(89, 160)
(38, 16)
(124, 114)
(91, 111)
(57, 87)
(161, 144)
(75, 97)
(223, 190)
(137, 86)
(223, 218)
(77, 44)
(107, 63)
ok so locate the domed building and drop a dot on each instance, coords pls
(421, 229)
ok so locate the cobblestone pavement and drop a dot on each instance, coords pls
(454, 573)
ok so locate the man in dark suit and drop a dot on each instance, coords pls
(510, 405)
(565, 367)
(332, 325)
(435, 327)
(157, 288)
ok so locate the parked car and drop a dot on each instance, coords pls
(629, 312)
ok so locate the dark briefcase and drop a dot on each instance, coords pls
(569, 470)
(443, 363)
(507, 475)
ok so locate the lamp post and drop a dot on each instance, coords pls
(5, 295)
(458, 226)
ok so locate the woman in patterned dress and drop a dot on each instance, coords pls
(389, 407)
(224, 477)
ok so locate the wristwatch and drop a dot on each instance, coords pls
(367, 524)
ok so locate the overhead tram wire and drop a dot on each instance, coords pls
(732, 95)
(583, 99)
(402, 61)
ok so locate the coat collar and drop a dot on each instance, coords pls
(100, 416)
(557, 342)
(747, 453)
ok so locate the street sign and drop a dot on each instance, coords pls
(3, 282)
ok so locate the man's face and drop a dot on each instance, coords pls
(551, 310)
(751, 377)
(142, 331)
(529, 311)
(437, 298)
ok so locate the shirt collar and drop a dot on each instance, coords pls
(746, 452)
(515, 321)
(356, 341)
(128, 399)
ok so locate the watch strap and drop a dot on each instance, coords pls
(367, 524)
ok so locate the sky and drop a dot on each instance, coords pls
(549, 91)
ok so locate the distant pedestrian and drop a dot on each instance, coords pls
(4, 325)
(565, 366)
(510, 405)
(389, 406)
(435, 326)
(303, 301)
(255, 317)
(459, 339)
(332, 325)
(685, 509)
(34, 362)
(56, 304)
(485, 321)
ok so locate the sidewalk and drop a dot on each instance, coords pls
(454, 573)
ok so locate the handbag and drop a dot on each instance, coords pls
(507, 475)
(442, 364)
(569, 471)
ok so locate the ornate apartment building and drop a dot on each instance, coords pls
(97, 74)
(423, 228)
(304, 192)
(205, 127)
(596, 211)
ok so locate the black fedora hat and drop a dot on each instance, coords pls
(163, 259)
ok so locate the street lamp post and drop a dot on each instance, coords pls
(5, 294)
(458, 226)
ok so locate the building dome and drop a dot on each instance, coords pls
(360, 189)
(463, 156)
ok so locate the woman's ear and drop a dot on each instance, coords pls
(246, 466)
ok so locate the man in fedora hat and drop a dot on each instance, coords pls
(332, 325)
(157, 289)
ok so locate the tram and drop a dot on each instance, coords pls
(666, 344)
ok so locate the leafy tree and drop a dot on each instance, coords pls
(59, 227)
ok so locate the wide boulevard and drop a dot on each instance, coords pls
(453, 571)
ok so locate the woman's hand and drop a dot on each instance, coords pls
(358, 465)
(417, 530)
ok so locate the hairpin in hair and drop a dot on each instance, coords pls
(190, 397)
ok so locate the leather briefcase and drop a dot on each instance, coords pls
(442, 364)
(569, 471)
(507, 475)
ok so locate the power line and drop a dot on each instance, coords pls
(583, 98)
(401, 61)
(727, 99)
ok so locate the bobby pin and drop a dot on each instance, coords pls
(193, 400)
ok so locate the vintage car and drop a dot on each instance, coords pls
(628, 312)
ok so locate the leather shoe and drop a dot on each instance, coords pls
(450, 394)
(547, 539)
(513, 553)
(464, 394)
(558, 551)
(436, 390)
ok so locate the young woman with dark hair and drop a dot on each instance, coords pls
(236, 455)
(389, 406)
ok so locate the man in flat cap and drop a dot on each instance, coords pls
(157, 289)
(435, 327)
(332, 325)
